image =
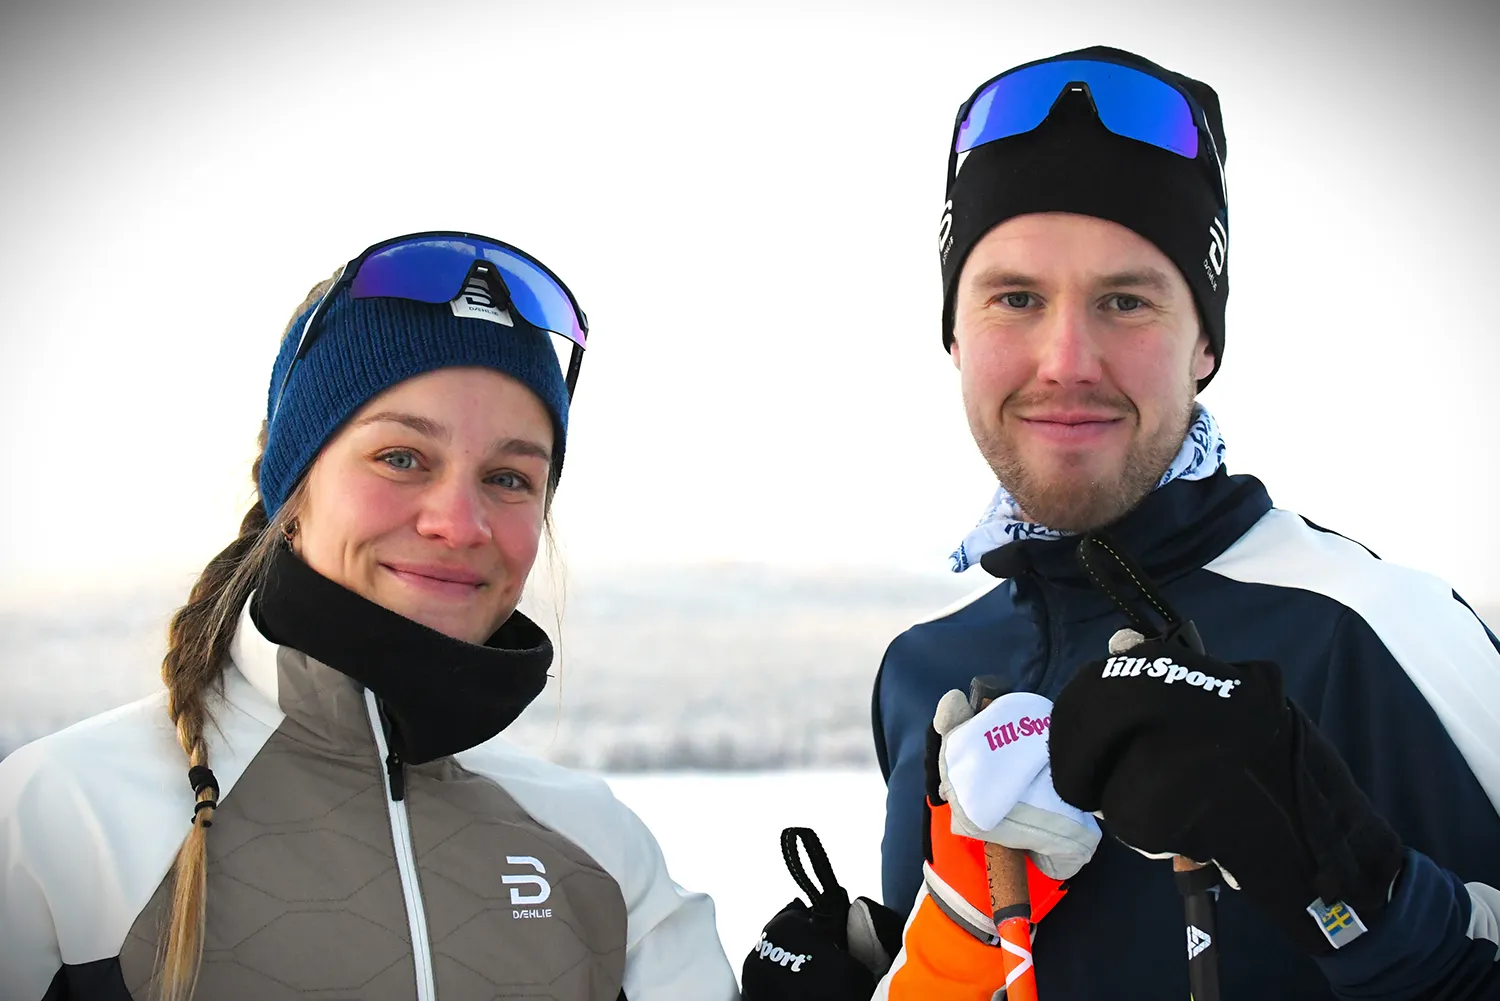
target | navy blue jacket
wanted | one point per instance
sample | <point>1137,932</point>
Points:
<point>1359,642</point>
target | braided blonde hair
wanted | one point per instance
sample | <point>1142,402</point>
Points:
<point>198,640</point>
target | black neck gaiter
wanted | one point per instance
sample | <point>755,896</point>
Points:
<point>440,695</point>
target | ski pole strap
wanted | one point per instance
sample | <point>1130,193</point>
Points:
<point>1129,588</point>
<point>1117,575</point>
<point>831,900</point>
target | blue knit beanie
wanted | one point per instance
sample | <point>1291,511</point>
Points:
<point>365,346</point>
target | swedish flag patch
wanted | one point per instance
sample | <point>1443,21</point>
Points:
<point>1340,923</point>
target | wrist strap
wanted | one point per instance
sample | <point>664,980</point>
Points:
<point>831,901</point>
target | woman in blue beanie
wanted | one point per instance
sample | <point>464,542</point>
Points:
<point>332,686</point>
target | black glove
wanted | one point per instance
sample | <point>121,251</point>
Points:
<point>831,951</point>
<point>1188,755</point>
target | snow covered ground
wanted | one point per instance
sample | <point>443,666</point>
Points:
<point>720,834</point>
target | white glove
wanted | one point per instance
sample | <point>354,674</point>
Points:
<point>994,772</point>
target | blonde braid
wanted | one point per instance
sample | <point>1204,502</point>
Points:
<point>198,641</point>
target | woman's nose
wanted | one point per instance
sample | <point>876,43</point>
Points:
<point>453,511</point>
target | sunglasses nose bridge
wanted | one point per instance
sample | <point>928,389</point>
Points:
<point>1074,100</point>
<point>489,278</point>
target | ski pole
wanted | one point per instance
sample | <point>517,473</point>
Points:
<point>1010,897</point>
<point>1199,886</point>
<point>1197,882</point>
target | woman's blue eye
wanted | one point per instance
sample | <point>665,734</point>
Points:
<point>510,481</point>
<point>400,460</point>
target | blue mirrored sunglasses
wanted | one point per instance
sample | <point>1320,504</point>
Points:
<point>1128,102</point>
<point>434,267</point>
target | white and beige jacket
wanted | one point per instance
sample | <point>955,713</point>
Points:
<point>337,867</point>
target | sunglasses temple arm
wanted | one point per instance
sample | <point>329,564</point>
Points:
<point>574,364</point>
<point>296,357</point>
<point>303,342</point>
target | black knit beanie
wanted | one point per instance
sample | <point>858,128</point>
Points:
<point>1072,163</point>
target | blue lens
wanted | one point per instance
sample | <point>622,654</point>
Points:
<point>1130,103</point>
<point>433,269</point>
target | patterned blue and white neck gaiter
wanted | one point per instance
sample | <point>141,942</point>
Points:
<point>1201,455</point>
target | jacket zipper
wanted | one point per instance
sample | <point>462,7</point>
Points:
<point>406,859</point>
<point>1052,627</point>
<point>1034,677</point>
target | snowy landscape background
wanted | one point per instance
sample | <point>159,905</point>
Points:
<point>734,666</point>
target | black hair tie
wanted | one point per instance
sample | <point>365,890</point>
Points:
<point>202,777</point>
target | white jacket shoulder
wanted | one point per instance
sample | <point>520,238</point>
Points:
<point>82,839</point>
<point>91,818</point>
<point>1438,641</point>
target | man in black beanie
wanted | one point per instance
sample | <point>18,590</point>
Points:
<point>1319,723</point>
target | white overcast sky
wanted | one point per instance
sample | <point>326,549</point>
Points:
<point>745,198</point>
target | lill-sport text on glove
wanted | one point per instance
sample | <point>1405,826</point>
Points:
<point>1169,671</point>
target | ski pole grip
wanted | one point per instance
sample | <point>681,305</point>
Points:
<point>1010,896</point>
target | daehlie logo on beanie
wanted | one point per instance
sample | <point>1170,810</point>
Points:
<point>945,233</point>
<point>478,302</point>
<point>1169,671</point>
<point>772,953</point>
<point>1218,251</point>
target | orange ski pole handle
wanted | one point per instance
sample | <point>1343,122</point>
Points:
<point>1010,894</point>
<point>1010,901</point>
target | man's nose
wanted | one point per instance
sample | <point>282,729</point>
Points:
<point>1068,348</point>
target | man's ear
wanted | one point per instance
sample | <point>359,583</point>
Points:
<point>953,353</point>
<point>1203,358</point>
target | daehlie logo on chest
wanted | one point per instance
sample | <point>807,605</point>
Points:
<point>540,888</point>
<point>1169,671</point>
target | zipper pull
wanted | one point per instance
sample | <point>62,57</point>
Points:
<point>396,769</point>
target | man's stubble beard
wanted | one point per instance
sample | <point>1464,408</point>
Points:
<point>1068,505</point>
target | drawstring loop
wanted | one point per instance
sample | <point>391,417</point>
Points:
<point>831,903</point>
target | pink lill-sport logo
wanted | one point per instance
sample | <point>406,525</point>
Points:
<point>1009,733</point>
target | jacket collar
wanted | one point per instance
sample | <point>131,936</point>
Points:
<point>311,646</point>
<point>1173,531</point>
